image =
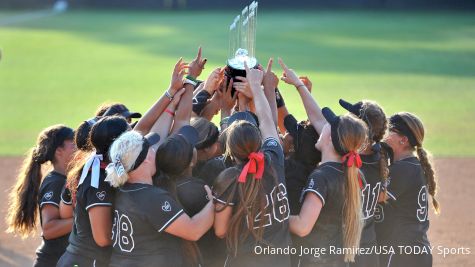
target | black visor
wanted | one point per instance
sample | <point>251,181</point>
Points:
<point>148,141</point>
<point>334,121</point>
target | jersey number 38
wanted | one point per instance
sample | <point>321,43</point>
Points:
<point>122,232</point>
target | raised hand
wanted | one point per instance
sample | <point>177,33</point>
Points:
<point>227,99</point>
<point>306,81</point>
<point>177,76</point>
<point>270,80</point>
<point>289,76</point>
<point>212,82</point>
<point>242,86</point>
<point>254,77</point>
<point>197,65</point>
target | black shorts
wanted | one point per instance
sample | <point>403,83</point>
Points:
<point>410,260</point>
<point>69,259</point>
<point>366,260</point>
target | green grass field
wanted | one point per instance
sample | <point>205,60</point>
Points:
<point>58,69</point>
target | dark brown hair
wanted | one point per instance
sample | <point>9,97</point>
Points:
<point>417,129</point>
<point>375,118</point>
<point>23,204</point>
<point>243,138</point>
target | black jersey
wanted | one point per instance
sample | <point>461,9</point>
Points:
<point>296,174</point>
<point>408,206</point>
<point>142,214</point>
<point>209,170</point>
<point>81,241</point>
<point>276,216</point>
<point>370,171</point>
<point>327,182</point>
<point>50,194</point>
<point>66,197</point>
<point>192,195</point>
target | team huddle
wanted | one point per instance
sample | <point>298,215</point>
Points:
<point>174,189</point>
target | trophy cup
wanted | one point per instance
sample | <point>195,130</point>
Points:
<point>242,42</point>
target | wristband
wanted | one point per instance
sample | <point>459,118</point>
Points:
<point>191,78</point>
<point>188,81</point>
<point>279,99</point>
<point>167,94</point>
<point>170,112</point>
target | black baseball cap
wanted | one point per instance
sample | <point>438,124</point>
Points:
<point>291,125</point>
<point>148,141</point>
<point>334,121</point>
<point>244,116</point>
<point>120,109</point>
<point>353,108</point>
<point>189,133</point>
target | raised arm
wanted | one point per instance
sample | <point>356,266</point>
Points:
<point>151,116</point>
<point>263,111</point>
<point>314,112</point>
<point>163,124</point>
<point>183,113</point>
<point>270,83</point>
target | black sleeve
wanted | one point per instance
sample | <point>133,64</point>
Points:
<point>224,191</point>
<point>316,184</point>
<point>272,148</point>
<point>161,209</point>
<point>397,184</point>
<point>200,101</point>
<point>102,196</point>
<point>51,193</point>
<point>66,196</point>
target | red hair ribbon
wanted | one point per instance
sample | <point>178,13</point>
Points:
<point>255,165</point>
<point>353,158</point>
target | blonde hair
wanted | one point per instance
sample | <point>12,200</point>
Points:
<point>125,150</point>
<point>425,158</point>
<point>352,133</point>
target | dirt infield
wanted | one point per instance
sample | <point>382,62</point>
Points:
<point>454,228</point>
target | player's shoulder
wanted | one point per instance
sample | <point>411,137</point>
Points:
<point>405,166</point>
<point>328,169</point>
<point>53,179</point>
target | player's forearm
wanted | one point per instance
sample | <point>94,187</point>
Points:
<point>150,117</point>
<point>57,228</point>
<point>183,112</point>
<point>210,110</point>
<point>270,96</point>
<point>314,112</point>
<point>163,124</point>
<point>203,220</point>
<point>263,112</point>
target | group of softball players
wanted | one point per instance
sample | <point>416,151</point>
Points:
<point>174,189</point>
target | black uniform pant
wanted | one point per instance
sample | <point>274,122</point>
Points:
<point>69,259</point>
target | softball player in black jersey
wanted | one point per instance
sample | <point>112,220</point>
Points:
<point>32,194</point>
<point>375,172</point>
<point>252,204</point>
<point>148,221</point>
<point>404,218</point>
<point>331,213</point>
<point>90,239</point>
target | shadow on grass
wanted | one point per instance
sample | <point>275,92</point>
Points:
<point>361,42</point>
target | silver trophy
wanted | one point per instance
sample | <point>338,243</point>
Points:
<point>242,42</point>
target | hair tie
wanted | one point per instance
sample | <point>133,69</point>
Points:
<point>255,165</point>
<point>352,158</point>
<point>93,164</point>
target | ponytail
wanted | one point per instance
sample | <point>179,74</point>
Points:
<point>383,170</point>
<point>426,164</point>
<point>352,211</point>
<point>23,198</point>
<point>23,211</point>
